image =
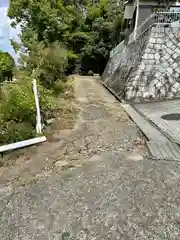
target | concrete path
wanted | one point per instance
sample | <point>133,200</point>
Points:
<point>155,111</point>
<point>112,193</point>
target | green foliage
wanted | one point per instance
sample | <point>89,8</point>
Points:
<point>6,65</point>
<point>100,25</point>
<point>54,36</point>
<point>93,12</point>
<point>95,52</point>
<point>17,103</point>
<point>12,132</point>
<point>6,62</point>
<point>52,63</point>
<point>49,63</point>
<point>85,29</point>
<point>59,87</point>
<point>48,20</point>
<point>117,26</point>
<point>18,111</point>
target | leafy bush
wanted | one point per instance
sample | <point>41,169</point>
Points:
<point>59,87</point>
<point>18,111</point>
<point>49,62</point>
<point>17,103</point>
<point>6,66</point>
<point>12,132</point>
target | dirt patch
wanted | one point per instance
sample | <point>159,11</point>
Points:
<point>78,131</point>
<point>65,119</point>
<point>23,165</point>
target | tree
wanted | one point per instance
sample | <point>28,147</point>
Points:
<point>6,66</point>
<point>45,22</point>
<point>85,28</point>
<point>100,26</point>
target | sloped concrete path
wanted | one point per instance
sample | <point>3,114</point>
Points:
<point>116,193</point>
<point>155,111</point>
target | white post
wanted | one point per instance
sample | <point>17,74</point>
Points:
<point>137,18</point>
<point>38,115</point>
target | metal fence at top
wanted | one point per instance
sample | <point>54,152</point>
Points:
<point>167,17</point>
<point>159,18</point>
<point>150,21</point>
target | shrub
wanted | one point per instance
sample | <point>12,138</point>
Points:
<point>18,103</point>
<point>47,102</point>
<point>49,62</point>
<point>18,111</point>
<point>6,66</point>
<point>12,132</point>
<point>59,87</point>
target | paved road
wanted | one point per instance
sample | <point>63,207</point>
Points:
<point>116,193</point>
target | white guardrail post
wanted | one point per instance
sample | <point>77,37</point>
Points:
<point>136,20</point>
<point>38,114</point>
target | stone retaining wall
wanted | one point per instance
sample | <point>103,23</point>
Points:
<point>148,68</point>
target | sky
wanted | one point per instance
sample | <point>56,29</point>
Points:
<point>6,32</point>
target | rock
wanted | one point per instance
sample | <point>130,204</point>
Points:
<point>135,156</point>
<point>82,100</point>
<point>50,121</point>
<point>61,163</point>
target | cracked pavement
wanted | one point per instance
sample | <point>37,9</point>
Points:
<point>94,182</point>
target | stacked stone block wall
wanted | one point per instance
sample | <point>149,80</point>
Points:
<point>148,68</point>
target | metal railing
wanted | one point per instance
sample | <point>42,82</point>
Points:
<point>117,49</point>
<point>150,21</point>
<point>167,17</point>
<point>159,18</point>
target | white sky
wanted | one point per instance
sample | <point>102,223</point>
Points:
<point>6,32</point>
